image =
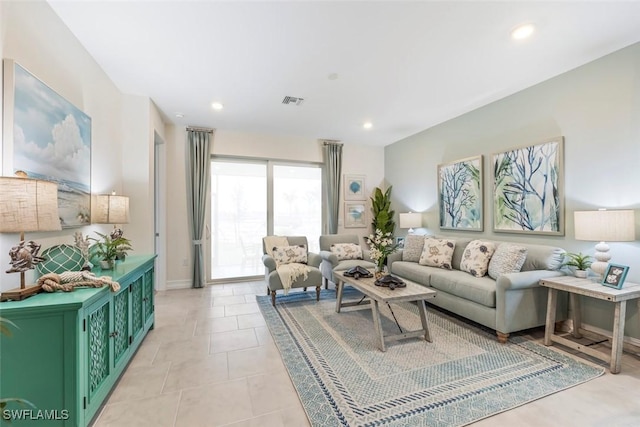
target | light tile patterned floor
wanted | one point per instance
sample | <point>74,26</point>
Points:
<point>210,361</point>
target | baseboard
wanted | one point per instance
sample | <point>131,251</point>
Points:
<point>177,284</point>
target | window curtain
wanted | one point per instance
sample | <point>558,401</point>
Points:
<point>333,167</point>
<point>198,166</point>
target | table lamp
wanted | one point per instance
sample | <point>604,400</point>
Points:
<point>26,204</point>
<point>110,209</point>
<point>410,220</point>
<point>604,225</point>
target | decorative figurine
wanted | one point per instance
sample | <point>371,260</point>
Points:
<point>24,257</point>
<point>82,243</point>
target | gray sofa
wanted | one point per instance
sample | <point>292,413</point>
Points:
<point>513,302</point>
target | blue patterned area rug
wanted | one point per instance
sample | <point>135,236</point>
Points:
<point>463,376</point>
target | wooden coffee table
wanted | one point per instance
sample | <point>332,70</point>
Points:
<point>379,294</point>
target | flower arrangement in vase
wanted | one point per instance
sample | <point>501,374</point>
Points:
<point>381,245</point>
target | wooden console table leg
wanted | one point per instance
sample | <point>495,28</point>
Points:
<point>618,336</point>
<point>375,311</point>
<point>576,315</point>
<point>550,324</point>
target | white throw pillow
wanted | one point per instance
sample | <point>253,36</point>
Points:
<point>346,251</point>
<point>437,253</point>
<point>476,257</point>
<point>413,245</point>
<point>289,254</point>
<point>508,258</point>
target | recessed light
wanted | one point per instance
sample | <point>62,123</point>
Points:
<point>217,106</point>
<point>333,76</point>
<point>367,125</point>
<point>179,115</point>
<point>522,31</point>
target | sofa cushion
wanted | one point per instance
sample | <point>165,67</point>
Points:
<point>458,252</point>
<point>412,271</point>
<point>346,251</point>
<point>508,258</point>
<point>542,257</point>
<point>437,253</point>
<point>289,254</point>
<point>481,290</point>
<point>476,257</point>
<point>412,250</point>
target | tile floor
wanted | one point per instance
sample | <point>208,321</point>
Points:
<point>211,361</point>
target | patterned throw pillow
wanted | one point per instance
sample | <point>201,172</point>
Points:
<point>476,257</point>
<point>346,251</point>
<point>412,250</point>
<point>508,258</point>
<point>437,253</point>
<point>289,254</point>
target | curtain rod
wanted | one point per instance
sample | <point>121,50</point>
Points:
<point>195,129</point>
<point>331,142</point>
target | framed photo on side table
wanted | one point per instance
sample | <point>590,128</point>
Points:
<point>614,275</point>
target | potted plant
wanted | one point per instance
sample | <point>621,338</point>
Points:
<point>108,247</point>
<point>382,213</point>
<point>580,262</point>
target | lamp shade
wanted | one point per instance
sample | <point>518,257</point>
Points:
<point>605,225</point>
<point>28,205</point>
<point>110,209</point>
<point>410,220</point>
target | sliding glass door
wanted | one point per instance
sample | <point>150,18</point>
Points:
<point>253,199</point>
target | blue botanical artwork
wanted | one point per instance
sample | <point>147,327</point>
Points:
<point>355,215</point>
<point>527,189</point>
<point>460,194</point>
<point>354,187</point>
<point>52,141</point>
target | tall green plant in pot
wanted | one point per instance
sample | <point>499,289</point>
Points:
<point>382,213</point>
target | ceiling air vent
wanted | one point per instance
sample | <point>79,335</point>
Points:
<point>288,100</point>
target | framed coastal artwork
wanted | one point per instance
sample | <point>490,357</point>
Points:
<point>354,187</point>
<point>48,138</point>
<point>355,215</point>
<point>460,194</point>
<point>528,189</point>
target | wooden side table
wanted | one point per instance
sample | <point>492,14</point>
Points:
<point>584,287</point>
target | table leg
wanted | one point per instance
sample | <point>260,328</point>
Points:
<point>339,288</point>
<point>550,324</point>
<point>618,336</point>
<point>576,315</point>
<point>422,309</point>
<point>377,324</point>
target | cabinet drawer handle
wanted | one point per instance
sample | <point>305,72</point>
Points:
<point>113,334</point>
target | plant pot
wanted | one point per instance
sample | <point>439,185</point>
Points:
<point>106,264</point>
<point>581,274</point>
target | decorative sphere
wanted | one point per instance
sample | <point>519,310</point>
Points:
<point>61,258</point>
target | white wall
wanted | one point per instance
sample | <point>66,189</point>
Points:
<point>357,159</point>
<point>595,107</point>
<point>33,35</point>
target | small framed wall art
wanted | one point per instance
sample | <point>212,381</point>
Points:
<point>354,187</point>
<point>614,275</point>
<point>355,215</point>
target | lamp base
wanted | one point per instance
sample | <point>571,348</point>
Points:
<point>18,294</point>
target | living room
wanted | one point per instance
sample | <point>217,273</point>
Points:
<point>595,107</point>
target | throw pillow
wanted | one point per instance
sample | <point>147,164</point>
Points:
<point>476,257</point>
<point>289,254</point>
<point>437,253</point>
<point>346,251</point>
<point>508,258</point>
<point>412,250</point>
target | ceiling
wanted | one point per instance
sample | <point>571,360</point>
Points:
<point>403,66</point>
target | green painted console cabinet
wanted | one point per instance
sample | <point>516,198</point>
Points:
<point>69,349</point>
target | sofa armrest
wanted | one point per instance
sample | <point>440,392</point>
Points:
<point>330,257</point>
<point>524,279</point>
<point>396,256</point>
<point>366,255</point>
<point>269,262</point>
<point>314,259</point>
